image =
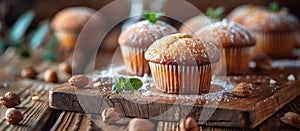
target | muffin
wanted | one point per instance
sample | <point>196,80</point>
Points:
<point>68,23</point>
<point>181,64</point>
<point>135,40</point>
<point>235,43</point>
<point>275,32</point>
<point>243,12</point>
<point>195,23</point>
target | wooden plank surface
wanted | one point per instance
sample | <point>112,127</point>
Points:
<point>230,112</point>
<point>90,122</point>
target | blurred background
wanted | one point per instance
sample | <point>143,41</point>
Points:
<point>43,10</point>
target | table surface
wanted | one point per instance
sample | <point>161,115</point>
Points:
<point>38,115</point>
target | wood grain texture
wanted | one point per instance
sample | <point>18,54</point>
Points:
<point>231,112</point>
<point>34,111</point>
<point>91,122</point>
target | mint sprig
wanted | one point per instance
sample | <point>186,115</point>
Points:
<point>126,84</point>
<point>274,7</point>
<point>151,16</point>
<point>215,13</point>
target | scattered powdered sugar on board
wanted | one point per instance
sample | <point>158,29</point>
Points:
<point>115,72</point>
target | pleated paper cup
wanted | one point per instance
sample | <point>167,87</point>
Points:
<point>177,79</point>
<point>275,44</point>
<point>236,60</point>
<point>134,59</point>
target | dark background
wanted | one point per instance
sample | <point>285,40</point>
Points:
<point>47,8</point>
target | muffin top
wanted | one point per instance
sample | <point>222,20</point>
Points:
<point>195,23</point>
<point>226,34</point>
<point>243,12</point>
<point>144,33</point>
<point>72,19</point>
<point>182,49</point>
<point>269,21</point>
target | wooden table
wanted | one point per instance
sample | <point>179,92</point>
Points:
<point>38,115</point>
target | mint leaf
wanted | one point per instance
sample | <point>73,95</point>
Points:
<point>215,13</point>
<point>151,16</point>
<point>135,83</point>
<point>126,84</point>
<point>274,7</point>
<point>39,35</point>
<point>19,28</point>
<point>50,51</point>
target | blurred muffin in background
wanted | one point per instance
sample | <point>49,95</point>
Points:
<point>243,12</point>
<point>235,43</point>
<point>181,64</point>
<point>68,23</point>
<point>195,23</point>
<point>275,32</point>
<point>135,40</point>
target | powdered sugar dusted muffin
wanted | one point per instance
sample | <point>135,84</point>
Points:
<point>194,24</point>
<point>182,64</point>
<point>67,24</point>
<point>235,43</point>
<point>243,12</point>
<point>135,40</point>
<point>275,32</point>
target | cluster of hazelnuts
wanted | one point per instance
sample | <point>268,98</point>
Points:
<point>12,115</point>
<point>50,75</point>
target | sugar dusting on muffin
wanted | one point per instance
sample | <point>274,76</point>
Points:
<point>229,34</point>
<point>144,33</point>
<point>182,49</point>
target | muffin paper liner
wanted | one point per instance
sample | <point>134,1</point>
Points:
<point>176,79</point>
<point>275,45</point>
<point>134,59</point>
<point>236,60</point>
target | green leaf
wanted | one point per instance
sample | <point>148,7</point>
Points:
<point>219,11</point>
<point>124,84</point>
<point>50,51</point>
<point>116,88</point>
<point>274,6</point>
<point>20,26</point>
<point>151,16</point>
<point>4,44</point>
<point>39,35</point>
<point>24,53</point>
<point>135,83</point>
<point>215,13</point>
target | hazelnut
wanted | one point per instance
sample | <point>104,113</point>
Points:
<point>292,119</point>
<point>138,124</point>
<point>79,80</point>
<point>29,72</point>
<point>188,124</point>
<point>65,67</point>
<point>10,100</point>
<point>242,89</point>
<point>13,116</point>
<point>51,76</point>
<point>110,115</point>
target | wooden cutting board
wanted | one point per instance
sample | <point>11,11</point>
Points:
<point>228,111</point>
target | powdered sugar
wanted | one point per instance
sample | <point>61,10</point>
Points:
<point>226,33</point>
<point>144,33</point>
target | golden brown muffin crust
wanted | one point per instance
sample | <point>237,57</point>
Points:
<point>226,34</point>
<point>195,23</point>
<point>72,19</point>
<point>144,33</point>
<point>182,49</point>
<point>268,21</point>
<point>244,12</point>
